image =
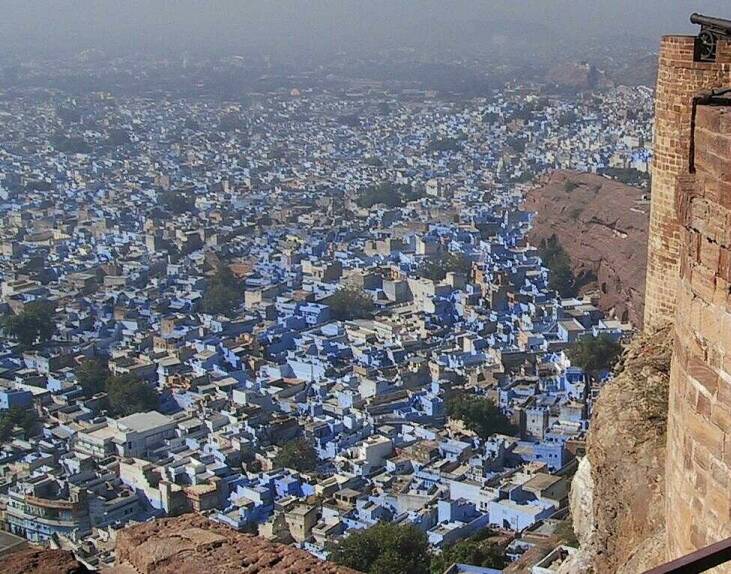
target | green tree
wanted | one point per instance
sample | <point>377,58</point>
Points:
<point>374,161</point>
<point>471,551</point>
<point>72,144</point>
<point>220,299</point>
<point>595,354</point>
<point>297,454</point>
<point>177,202</point>
<point>565,531</point>
<point>118,137</point>
<point>127,395</point>
<point>388,194</point>
<point>33,325</point>
<point>480,415</point>
<point>223,294</point>
<point>516,143</point>
<point>92,375</point>
<point>350,303</point>
<point>561,277</point>
<point>436,268</point>
<point>445,144</point>
<point>568,118</point>
<point>230,121</point>
<point>24,418</point>
<point>385,549</point>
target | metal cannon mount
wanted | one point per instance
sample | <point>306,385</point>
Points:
<point>712,30</point>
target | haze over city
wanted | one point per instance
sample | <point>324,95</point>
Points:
<point>319,27</point>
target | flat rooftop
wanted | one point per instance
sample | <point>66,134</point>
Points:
<point>143,422</point>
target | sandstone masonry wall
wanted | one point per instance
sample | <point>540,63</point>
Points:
<point>698,463</point>
<point>680,78</point>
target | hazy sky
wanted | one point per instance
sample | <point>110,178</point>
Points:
<point>55,26</point>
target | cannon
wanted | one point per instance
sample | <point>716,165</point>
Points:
<point>712,30</point>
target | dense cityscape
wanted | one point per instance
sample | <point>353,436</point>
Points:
<point>301,314</point>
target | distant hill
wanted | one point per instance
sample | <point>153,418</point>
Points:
<point>602,225</point>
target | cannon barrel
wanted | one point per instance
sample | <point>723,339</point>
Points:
<point>719,24</point>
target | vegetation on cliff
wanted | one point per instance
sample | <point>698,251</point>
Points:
<point>554,257</point>
<point>595,354</point>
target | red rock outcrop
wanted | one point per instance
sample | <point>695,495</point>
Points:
<point>192,544</point>
<point>602,224</point>
<point>36,560</point>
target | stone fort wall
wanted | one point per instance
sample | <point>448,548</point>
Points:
<point>689,283</point>
<point>698,466</point>
<point>680,78</point>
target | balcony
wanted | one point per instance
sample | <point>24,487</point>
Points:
<point>698,561</point>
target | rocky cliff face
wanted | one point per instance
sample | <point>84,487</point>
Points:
<point>602,225</point>
<point>35,560</point>
<point>192,544</point>
<point>617,493</point>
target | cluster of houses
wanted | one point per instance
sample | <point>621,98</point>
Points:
<point>348,325</point>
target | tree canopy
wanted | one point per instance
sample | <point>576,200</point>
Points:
<point>436,268</point>
<point>297,454</point>
<point>33,325</point>
<point>388,194</point>
<point>480,415</point>
<point>445,144</point>
<point>475,551</point>
<point>350,303</point>
<point>223,294</point>
<point>561,277</point>
<point>24,418</point>
<point>127,395</point>
<point>70,144</point>
<point>92,375</point>
<point>385,548</point>
<point>595,354</point>
<point>118,137</point>
<point>176,202</point>
<point>230,121</point>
